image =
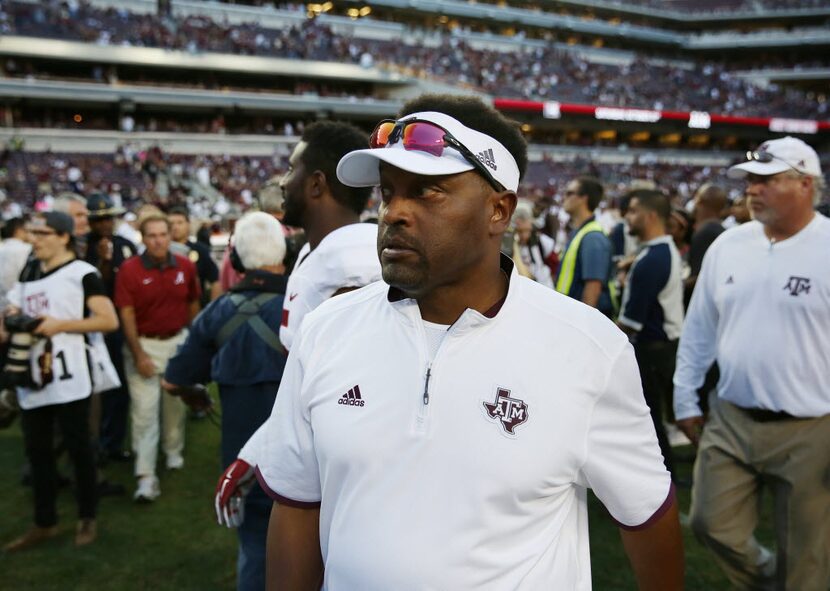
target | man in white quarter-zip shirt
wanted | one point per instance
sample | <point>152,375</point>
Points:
<point>440,429</point>
<point>761,307</point>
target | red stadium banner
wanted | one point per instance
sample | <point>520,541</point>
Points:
<point>695,119</point>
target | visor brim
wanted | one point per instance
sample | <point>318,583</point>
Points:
<point>740,171</point>
<point>362,167</point>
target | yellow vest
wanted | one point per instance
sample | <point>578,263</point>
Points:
<point>568,266</point>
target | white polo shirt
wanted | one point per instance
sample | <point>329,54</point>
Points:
<point>478,478</point>
<point>346,257</point>
<point>763,310</point>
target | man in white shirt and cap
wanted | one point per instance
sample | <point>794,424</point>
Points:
<point>761,308</point>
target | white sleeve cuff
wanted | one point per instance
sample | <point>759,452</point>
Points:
<point>685,404</point>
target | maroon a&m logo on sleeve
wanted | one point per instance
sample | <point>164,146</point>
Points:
<point>511,412</point>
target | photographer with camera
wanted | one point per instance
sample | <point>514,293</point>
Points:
<point>53,306</point>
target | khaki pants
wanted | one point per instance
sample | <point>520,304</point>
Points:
<point>146,399</point>
<point>737,456</point>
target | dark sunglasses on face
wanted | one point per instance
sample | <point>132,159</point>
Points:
<point>425,136</point>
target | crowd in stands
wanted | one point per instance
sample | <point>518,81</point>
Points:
<point>212,184</point>
<point>226,185</point>
<point>724,6</point>
<point>549,73</point>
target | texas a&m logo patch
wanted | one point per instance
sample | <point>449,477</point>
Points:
<point>510,412</point>
<point>798,285</point>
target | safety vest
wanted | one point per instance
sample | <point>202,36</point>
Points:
<point>568,266</point>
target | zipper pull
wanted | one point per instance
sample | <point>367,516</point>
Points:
<point>426,385</point>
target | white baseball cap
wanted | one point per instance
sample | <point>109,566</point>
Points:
<point>775,156</point>
<point>361,167</point>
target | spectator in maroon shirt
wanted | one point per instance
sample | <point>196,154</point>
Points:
<point>157,294</point>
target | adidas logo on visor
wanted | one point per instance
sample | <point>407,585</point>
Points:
<point>488,159</point>
<point>352,398</point>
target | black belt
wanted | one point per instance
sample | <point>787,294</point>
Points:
<point>161,337</point>
<point>762,415</point>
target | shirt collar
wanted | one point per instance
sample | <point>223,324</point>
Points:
<point>258,280</point>
<point>470,317</point>
<point>664,239</point>
<point>585,223</point>
<point>149,263</point>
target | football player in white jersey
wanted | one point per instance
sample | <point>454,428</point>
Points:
<point>340,253</point>
<point>340,256</point>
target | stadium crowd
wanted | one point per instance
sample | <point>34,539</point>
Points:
<point>727,6</point>
<point>554,74</point>
<point>226,185</point>
<point>131,176</point>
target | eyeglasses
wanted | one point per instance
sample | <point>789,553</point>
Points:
<point>426,136</point>
<point>42,233</point>
<point>765,158</point>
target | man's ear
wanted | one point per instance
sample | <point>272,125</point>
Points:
<point>316,184</point>
<point>502,207</point>
<point>807,185</point>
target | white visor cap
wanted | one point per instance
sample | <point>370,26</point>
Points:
<point>361,168</point>
<point>788,153</point>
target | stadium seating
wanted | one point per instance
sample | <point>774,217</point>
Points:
<point>548,73</point>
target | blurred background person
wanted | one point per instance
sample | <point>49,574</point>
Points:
<point>74,205</point>
<point>14,252</point>
<point>532,248</point>
<point>681,227</point>
<point>107,251</point>
<point>585,271</point>
<point>181,242</point>
<point>710,203</point>
<point>652,307</point>
<point>68,298</point>
<point>234,343</point>
<point>157,295</point>
<point>739,212</point>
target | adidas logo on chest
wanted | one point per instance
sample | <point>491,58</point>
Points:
<point>352,398</point>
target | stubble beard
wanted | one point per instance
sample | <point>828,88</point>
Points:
<point>410,279</point>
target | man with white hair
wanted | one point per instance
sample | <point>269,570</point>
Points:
<point>74,206</point>
<point>761,307</point>
<point>531,249</point>
<point>234,343</point>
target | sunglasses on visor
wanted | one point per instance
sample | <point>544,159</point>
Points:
<point>426,136</point>
<point>765,157</point>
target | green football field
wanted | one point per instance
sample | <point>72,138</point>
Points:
<point>175,542</point>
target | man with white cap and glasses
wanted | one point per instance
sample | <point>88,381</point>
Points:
<point>456,400</point>
<point>761,308</point>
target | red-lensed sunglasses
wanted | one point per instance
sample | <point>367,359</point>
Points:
<point>426,136</point>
